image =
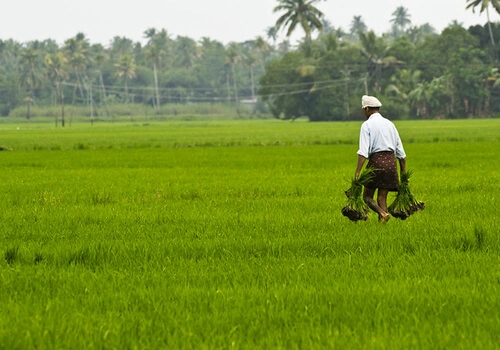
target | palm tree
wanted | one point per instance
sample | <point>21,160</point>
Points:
<point>485,4</point>
<point>455,23</point>
<point>56,64</point>
<point>76,51</point>
<point>284,46</point>
<point>120,46</point>
<point>375,49</point>
<point>327,27</point>
<point>126,69</point>
<point>165,44</point>
<point>340,33</point>
<point>31,76</point>
<point>100,59</point>
<point>400,20</point>
<point>357,26</point>
<point>401,84</point>
<point>206,43</point>
<point>154,54</point>
<point>272,33</point>
<point>101,56</point>
<point>328,42</point>
<point>159,50</point>
<point>186,52</point>
<point>433,97</point>
<point>300,12</point>
<point>232,57</point>
<point>150,34</point>
<point>250,60</point>
<point>418,34</point>
<point>420,98</point>
<point>262,47</point>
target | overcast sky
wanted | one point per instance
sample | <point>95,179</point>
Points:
<point>222,20</point>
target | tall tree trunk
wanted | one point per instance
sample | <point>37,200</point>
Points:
<point>347,98</point>
<point>253,83</point>
<point>126,91</point>
<point>103,94</point>
<point>228,89</point>
<point>74,94</point>
<point>80,82</point>
<point>103,88</point>
<point>489,26</point>
<point>29,99</point>
<point>55,102</point>
<point>156,89</point>
<point>62,107</point>
<point>91,102</point>
<point>28,112</point>
<point>234,84</point>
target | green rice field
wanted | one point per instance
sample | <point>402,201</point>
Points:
<point>229,235</point>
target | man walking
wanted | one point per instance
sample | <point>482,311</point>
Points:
<point>379,142</point>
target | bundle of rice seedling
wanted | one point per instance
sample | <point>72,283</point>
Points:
<point>356,208</point>
<point>405,203</point>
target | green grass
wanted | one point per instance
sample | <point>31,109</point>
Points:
<point>229,234</point>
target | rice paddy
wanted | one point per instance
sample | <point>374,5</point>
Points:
<point>229,234</point>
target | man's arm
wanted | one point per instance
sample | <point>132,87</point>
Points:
<point>361,161</point>
<point>402,165</point>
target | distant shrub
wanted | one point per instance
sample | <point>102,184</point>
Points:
<point>116,111</point>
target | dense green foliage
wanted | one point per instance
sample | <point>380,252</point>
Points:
<point>162,72</point>
<point>229,234</point>
<point>450,75</point>
<point>416,72</point>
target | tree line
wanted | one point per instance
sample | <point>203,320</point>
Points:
<point>416,72</point>
<point>162,71</point>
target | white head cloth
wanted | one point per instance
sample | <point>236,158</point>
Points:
<point>370,101</point>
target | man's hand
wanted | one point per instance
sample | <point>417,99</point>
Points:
<point>402,165</point>
<point>361,161</point>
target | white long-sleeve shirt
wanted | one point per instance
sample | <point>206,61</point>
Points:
<point>379,134</point>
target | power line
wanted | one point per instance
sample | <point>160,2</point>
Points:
<point>288,89</point>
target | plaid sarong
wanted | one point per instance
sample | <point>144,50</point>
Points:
<point>385,171</point>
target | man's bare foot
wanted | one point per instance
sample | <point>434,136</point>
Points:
<point>384,218</point>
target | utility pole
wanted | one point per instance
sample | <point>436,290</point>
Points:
<point>91,105</point>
